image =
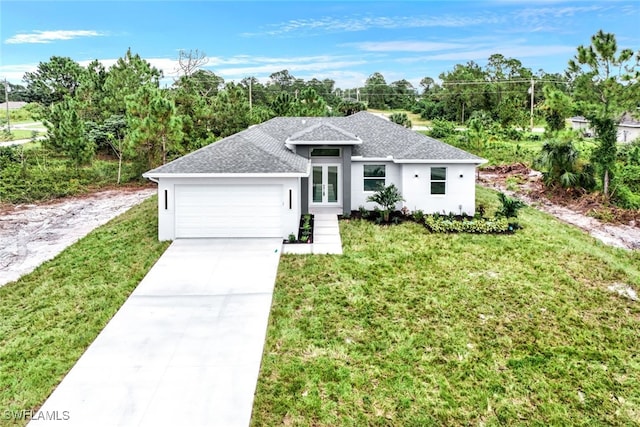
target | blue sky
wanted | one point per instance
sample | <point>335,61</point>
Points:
<point>345,41</point>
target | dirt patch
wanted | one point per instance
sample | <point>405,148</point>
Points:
<point>34,233</point>
<point>579,209</point>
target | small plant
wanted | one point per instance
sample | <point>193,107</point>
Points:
<point>346,215</point>
<point>510,206</point>
<point>481,210</point>
<point>304,238</point>
<point>418,216</point>
<point>401,119</point>
<point>364,213</point>
<point>387,197</point>
<point>513,183</point>
<point>396,220</point>
<point>292,238</point>
<point>405,211</point>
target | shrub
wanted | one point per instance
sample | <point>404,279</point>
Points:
<point>442,128</point>
<point>401,119</point>
<point>625,198</point>
<point>418,216</point>
<point>509,206</point>
<point>387,197</point>
<point>440,224</point>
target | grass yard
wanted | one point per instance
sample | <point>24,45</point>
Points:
<point>22,134</point>
<point>50,316</point>
<point>416,329</point>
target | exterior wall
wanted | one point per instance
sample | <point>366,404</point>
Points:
<point>460,196</point>
<point>304,183</point>
<point>627,134</point>
<point>167,208</point>
<point>346,179</point>
<point>359,197</point>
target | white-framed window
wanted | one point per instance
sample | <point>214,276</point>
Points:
<point>438,180</point>
<point>374,177</point>
<point>325,152</point>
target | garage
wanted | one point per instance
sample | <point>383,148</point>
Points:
<point>228,210</point>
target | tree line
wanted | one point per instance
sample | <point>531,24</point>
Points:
<point>123,110</point>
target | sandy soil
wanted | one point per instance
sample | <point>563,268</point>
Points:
<point>32,234</point>
<point>626,236</point>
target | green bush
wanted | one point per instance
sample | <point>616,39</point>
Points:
<point>509,206</point>
<point>625,198</point>
<point>442,128</point>
<point>444,224</point>
<point>36,174</point>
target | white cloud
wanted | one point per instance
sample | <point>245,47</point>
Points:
<point>362,23</point>
<point>507,51</point>
<point>405,46</point>
<point>14,73</point>
<point>292,67</point>
<point>50,36</point>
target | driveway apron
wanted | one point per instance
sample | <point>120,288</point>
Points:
<point>184,349</point>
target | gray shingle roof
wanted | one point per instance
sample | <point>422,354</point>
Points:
<point>323,131</point>
<point>261,148</point>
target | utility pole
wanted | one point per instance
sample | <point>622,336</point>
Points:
<point>532,89</point>
<point>250,100</point>
<point>6,102</point>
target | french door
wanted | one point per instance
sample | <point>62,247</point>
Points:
<point>325,184</point>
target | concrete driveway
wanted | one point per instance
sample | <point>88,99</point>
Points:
<point>184,349</point>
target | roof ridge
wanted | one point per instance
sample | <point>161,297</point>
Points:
<point>269,152</point>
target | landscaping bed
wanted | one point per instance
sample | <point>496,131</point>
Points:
<point>305,231</point>
<point>502,222</point>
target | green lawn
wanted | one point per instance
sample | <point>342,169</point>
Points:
<point>50,316</point>
<point>22,134</point>
<point>407,328</point>
<point>411,328</point>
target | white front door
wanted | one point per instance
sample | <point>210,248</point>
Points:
<point>325,185</point>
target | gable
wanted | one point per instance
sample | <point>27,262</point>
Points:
<point>323,132</point>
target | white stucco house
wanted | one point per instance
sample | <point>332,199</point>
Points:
<point>258,182</point>
<point>628,127</point>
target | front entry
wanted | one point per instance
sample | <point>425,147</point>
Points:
<point>325,185</point>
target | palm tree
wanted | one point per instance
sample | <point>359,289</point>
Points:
<point>559,160</point>
<point>386,197</point>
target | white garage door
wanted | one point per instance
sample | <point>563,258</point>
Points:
<point>228,210</point>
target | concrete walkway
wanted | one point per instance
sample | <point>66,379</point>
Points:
<point>185,348</point>
<point>326,237</point>
<point>326,234</point>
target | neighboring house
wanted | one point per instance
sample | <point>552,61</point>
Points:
<point>258,182</point>
<point>628,128</point>
<point>13,105</point>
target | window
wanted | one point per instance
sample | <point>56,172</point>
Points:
<point>325,152</point>
<point>374,177</point>
<point>438,180</point>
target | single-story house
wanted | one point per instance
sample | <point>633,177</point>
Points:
<point>258,182</point>
<point>628,127</point>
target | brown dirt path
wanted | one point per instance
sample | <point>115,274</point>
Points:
<point>529,189</point>
<point>34,233</point>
